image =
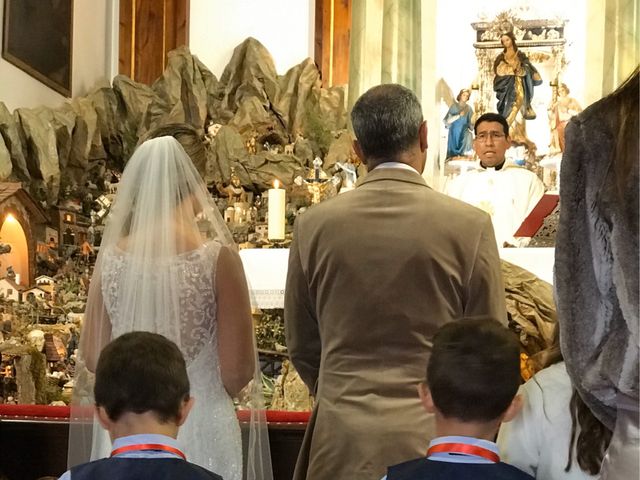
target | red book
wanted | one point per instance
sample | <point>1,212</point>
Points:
<point>534,220</point>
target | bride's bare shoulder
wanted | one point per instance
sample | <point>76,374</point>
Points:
<point>123,244</point>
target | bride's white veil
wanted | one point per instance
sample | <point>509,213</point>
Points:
<point>162,209</point>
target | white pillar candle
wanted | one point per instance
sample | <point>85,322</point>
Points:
<point>276,212</point>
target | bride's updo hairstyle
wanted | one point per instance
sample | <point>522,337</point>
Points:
<point>189,138</point>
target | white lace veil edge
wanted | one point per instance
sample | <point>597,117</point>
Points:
<point>95,335</point>
<point>257,451</point>
<point>162,209</point>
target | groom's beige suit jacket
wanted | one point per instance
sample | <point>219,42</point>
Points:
<point>372,274</point>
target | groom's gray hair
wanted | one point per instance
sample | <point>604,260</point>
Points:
<point>386,120</point>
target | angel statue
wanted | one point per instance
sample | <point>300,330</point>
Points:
<point>562,108</point>
<point>458,121</point>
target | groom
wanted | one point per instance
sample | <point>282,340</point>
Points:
<point>372,274</point>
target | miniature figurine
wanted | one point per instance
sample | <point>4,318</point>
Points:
<point>74,340</point>
<point>234,190</point>
<point>11,274</point>
<point>350,176</point>
<point>212,130</point>
<point>251,145</point>
<point>86,250</point>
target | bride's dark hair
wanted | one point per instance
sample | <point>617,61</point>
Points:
<point>189,138</point>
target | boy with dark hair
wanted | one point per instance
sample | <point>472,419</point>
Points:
<point>142,398</point>
<point>472,380</point>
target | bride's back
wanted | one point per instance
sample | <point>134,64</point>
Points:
<point>173,296</point>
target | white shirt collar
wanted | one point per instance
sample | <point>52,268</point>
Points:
<point>457,458</point>
<point>145,438</point>
<point>401,165</point>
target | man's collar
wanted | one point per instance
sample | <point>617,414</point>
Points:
<point>401,174</point>
<point>497,167</point>
<point>404,166</point>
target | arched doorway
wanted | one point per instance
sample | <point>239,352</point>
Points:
<point>13,234</point>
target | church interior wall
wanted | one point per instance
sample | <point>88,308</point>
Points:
<point>216,28</point>
<point>91,59</point>
<point>285,28</point>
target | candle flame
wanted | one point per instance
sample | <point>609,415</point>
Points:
<point>276,183</point>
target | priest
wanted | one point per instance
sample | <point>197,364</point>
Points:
<point>508,193</point>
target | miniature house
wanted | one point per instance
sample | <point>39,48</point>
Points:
<point>71,225</point>
<point>38,293</point>
<point>10,290</point>
<point>44,280</point>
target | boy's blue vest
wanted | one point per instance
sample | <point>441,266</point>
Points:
<point>423,469</point>
<point>141,469</point>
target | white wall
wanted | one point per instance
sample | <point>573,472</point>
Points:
<point>91,44</point>
<point>90,63</point>
<point>284,27</point>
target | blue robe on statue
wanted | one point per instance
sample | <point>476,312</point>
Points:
<point>460,140</point>
<point>508,93</point>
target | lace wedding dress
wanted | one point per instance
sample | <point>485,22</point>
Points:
<point>211,435</point>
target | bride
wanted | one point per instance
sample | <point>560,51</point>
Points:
<point>167,264</point>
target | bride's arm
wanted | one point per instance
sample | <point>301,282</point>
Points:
<point>96,328</point>
<point>235,328</point>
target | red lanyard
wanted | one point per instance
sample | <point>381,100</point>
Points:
<point>465,449</point>
<point>148,446</point>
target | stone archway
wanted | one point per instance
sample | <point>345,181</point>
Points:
<point>13,233</point>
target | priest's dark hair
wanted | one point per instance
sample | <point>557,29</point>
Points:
<point>386,120</point>
<point>474,370</point>
<point>140,372</point>
<point>492,117</point>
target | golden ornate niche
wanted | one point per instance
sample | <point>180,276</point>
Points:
<point>541,40</point>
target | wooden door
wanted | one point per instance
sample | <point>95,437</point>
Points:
<point>149,29</point>
<point>332,36</point>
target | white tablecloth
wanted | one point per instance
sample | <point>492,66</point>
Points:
<point>266,270</point>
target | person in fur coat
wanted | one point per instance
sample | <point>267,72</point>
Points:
<point>596,269</point>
